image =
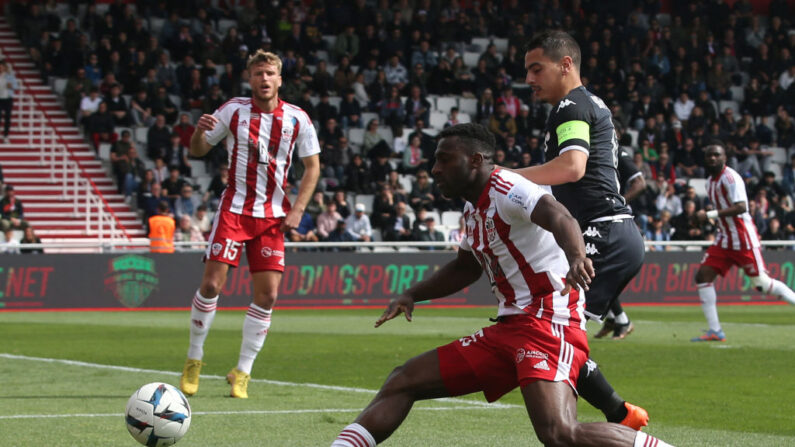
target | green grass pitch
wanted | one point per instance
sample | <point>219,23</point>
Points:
<point>65,377</point>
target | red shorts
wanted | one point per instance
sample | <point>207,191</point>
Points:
<point>262,238</point>
<point>721,260</point>
<point>515,352</point>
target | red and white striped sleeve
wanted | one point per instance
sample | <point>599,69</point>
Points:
<point>306,142</point>
<point>221,129</point>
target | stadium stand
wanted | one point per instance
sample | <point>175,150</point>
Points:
<point>656,51</point>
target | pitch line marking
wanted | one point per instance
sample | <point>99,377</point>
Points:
<point>237,413</point>
<point>265,381</point>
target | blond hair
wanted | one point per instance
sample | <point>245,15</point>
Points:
<point>266,57</point>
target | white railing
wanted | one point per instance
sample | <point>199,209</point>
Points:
<point>100,221</point>
<point>142,245</point>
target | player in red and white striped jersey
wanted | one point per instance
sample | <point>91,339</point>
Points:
<point>260,134</point>
<point>533,253</point>
<point>737,242</point>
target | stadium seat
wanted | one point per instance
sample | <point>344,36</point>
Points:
<point>197,168</point>
<point>335,100</point>
<point>471,59</point>
<point>438,119</point>
<point>464,118</point>
<point>104,151</point>
<point>501,43</point>
<point>367,200</point>
<point>155,24</point>
<point>468,105</point>
<point>224,25</point>
<point>779,155</point>
<point>407,181</point>
<point>367,117</point>
<point>450,218</point>
<point>356,136</point>
<point>664,19</point>
<point>386,134</point>
<point>330,40</point>
<point>322,55</point>
<point>203,182</point>
<point>445,103</point>
<point>481,43</point>
<point>58,86</point>
<point>734,105</point>
<point>141,136</point>
<point>738,93</point>
<point>634,135</point>
<point>177,100</point>
<point>775,168</point>
<point>436,217</point>
<point>700,185</point>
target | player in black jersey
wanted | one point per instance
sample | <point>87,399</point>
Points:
<point>632,184</point>
<point>582,149</point>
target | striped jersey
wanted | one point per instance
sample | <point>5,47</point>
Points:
<point>524,264</point>
<point>260,147</point>
<point>736,232</point>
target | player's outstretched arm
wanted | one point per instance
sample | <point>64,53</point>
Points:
<point>550,215</point>
<point>636,186</point>
<point>734,210</point>
<point>568,167</point>
<point>305,191</point>
<point>452,277</point>
<point>198,141</point>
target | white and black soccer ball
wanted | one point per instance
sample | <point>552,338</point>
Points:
<point>158,414</point>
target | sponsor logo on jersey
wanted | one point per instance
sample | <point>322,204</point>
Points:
<point>591,232</point>
<point>542,365</point>
<point>590,249</point>
<point>517,199</point>
<point>564,103</point>
<point>537,355</point>
<point>216,248</point>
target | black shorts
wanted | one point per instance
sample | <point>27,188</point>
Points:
<point>617,250</point>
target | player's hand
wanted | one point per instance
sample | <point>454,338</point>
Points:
<point>291,221</point>
<point>396,306</point>
<point>701,215</point>
<point>580,274</point>
<point>206,122</point>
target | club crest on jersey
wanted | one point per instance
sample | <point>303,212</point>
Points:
<point>287,131</point>
<point>564,103</point>
<point>491,230</point>
<point>520,355</point>
<point>216,248</point>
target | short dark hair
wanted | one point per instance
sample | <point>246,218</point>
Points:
<point>555,45</point>
<point>477,137</point>
<point>163,207</point>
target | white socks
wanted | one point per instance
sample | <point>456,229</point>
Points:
<point>202,312</point>
<point>622,318</point>
<point>355,435</point>
<point>709,300</point>
<point>255,329</point>
<point>644,440</point>
<point>781,290</point>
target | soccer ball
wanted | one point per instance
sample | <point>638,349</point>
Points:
<point>158,414</point>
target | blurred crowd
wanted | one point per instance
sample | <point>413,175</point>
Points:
<point>375,76</point>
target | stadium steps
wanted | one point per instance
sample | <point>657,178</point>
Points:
<point>46,207</point>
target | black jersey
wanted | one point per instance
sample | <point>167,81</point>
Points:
<point>581,121</point>
<point>627,170</point>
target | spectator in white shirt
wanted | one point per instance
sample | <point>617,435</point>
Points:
<point>396,74</point>
<point>358,225</point>
<point>786,78</point>
<point>683,107</point>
